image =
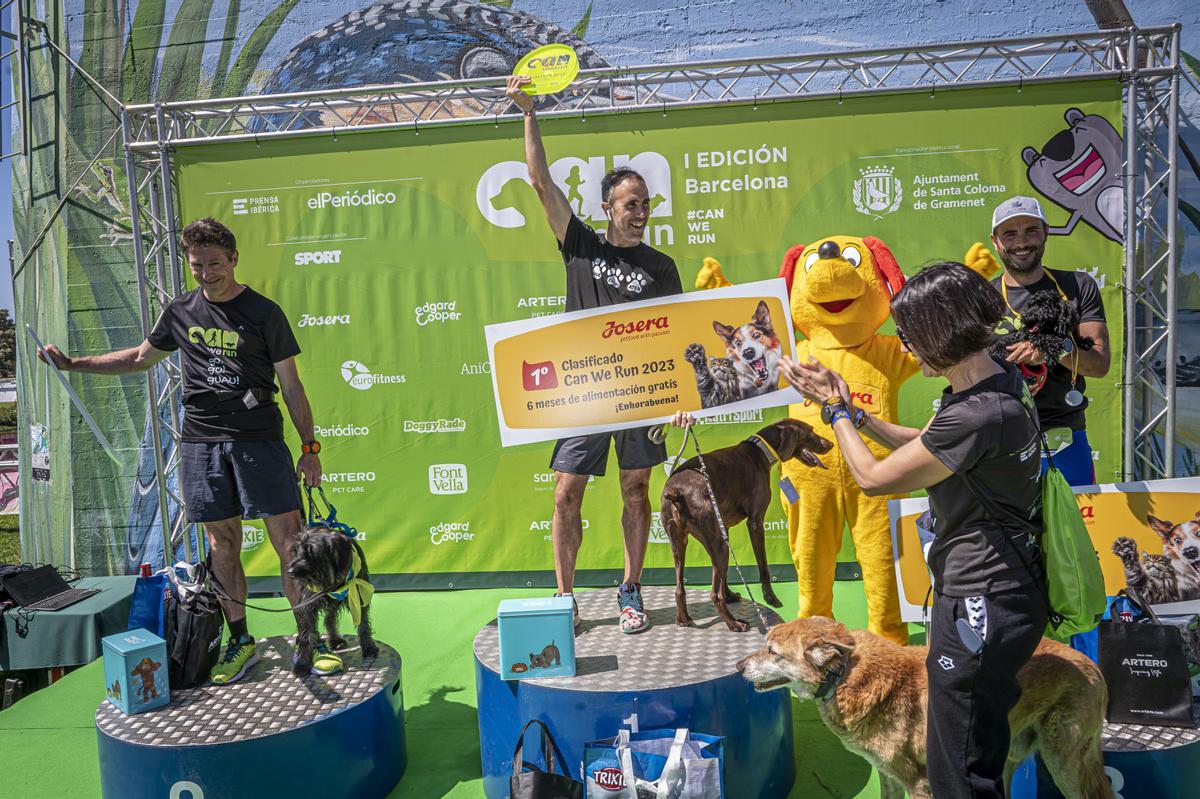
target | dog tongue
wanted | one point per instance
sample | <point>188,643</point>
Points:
<point>809,458</point>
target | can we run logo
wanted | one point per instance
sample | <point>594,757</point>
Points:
<point>359,376</point>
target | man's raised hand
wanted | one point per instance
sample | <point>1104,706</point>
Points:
<point>517,94</point>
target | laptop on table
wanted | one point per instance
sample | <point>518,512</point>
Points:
<point>43,588</point>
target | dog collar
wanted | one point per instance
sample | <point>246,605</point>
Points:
<point>767,449</point>
<point>833,679</point>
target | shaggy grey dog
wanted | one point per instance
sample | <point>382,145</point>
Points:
<point>321,561</point>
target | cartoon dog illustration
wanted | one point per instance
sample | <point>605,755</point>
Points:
<point>145,672</point>
<point>115,691</point>
<point>1079,168</point>
<point>751,367</point>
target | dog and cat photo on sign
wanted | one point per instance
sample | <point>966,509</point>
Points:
<point>1169,575</point>
<point>750,367</point>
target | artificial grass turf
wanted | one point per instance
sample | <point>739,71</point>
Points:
<point>48,739</point>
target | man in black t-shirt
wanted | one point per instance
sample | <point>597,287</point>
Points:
<point>602,269</point>
<point>234,343</point>
<point>1019,235</point>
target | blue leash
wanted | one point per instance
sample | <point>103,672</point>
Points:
<point>329,520</point>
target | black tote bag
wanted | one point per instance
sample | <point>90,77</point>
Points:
<point>530,782</point>
<point>1146,670</point>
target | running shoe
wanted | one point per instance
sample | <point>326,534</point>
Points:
<point>240,655</point>
<point>633,618</point>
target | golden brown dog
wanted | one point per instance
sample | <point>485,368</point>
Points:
<point>873,694</point>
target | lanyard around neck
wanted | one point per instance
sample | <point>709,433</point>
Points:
<point>1046,272</point>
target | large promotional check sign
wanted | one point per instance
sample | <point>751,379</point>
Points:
<point>638,363</point>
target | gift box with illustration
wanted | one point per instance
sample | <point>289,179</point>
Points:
<point>135,670</point>
<point>537,638</point>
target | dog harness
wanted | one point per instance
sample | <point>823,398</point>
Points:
<point>767,449</point>
<point>355,592</point>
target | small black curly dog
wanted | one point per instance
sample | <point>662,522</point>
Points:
<point>321,561</point>
<point>1046,322</point>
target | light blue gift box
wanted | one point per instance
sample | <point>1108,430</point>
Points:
<point>135,670</point>
<point>537,638</point>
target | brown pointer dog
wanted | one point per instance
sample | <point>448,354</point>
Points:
<point>873,694</point>
<point>741,480</point>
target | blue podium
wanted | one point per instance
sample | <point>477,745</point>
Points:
<point>666,677</point>
<point>269,734</point>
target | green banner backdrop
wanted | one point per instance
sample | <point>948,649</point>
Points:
<point>390,251</point>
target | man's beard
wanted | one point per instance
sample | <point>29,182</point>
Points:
<point>1013,265</point>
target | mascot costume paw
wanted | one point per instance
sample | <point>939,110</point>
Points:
<point>841,289</point>
<point>710,275</point>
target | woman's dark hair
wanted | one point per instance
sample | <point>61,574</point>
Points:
<point>208,232</point>
<point>616,177</point>
<point>947,312</point>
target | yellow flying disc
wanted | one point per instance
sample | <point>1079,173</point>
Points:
<point>550,69</point>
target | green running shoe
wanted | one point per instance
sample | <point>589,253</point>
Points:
<point>240,655</point>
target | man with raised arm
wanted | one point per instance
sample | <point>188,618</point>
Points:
<point>602,268</point>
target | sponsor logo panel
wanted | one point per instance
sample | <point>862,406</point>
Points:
<point>448,478</point>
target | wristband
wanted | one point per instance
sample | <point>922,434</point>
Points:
<point>860,417</point>
<point>838,412</point>
<point>310,447</point>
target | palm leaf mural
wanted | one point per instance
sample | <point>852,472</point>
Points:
<point>180,74</point>
<point>1191,63</point>
<point>581,26</point>
<point>231,23</point>
<point>247,61</point>
<point>99,58</point>
<point>141,51</point>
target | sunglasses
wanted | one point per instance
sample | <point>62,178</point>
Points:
<point>903,338</point>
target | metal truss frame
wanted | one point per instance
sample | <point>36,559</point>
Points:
<point>1145,59</point>
<point>1151,116</point>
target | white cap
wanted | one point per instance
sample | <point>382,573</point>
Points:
<point>1016,206</point>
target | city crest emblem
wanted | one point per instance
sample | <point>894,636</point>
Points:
<point>877,191</point>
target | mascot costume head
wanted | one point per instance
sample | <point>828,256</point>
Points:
<point>841,288</point>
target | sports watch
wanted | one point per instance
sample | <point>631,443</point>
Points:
<point>310,447</point>
<point>833,409</point>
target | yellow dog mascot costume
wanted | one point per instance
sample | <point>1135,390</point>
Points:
<point>841,289</point>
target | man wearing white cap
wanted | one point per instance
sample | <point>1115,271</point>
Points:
<point>1019,236</point>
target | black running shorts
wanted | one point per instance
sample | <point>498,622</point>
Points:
<point>589,454</point>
